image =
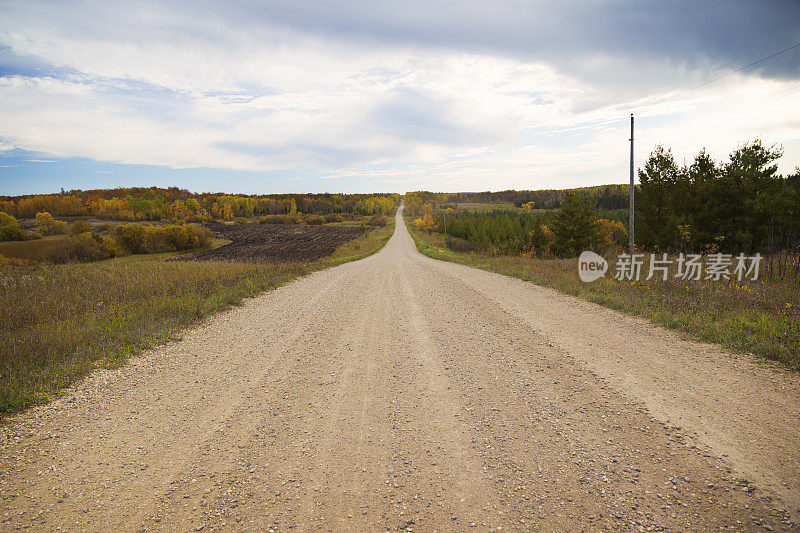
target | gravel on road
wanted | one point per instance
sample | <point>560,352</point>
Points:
<point>401,393</point>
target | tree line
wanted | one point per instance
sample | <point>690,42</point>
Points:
<point>742,205</point>
<point>603,197</point>
<point>154,203</point>
<point>576,226</point>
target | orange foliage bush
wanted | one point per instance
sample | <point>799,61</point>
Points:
<point>48,226</point>
<point>145,239</point>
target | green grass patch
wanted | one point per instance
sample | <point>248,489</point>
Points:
<point>59,322</point>
<point>760,318</point>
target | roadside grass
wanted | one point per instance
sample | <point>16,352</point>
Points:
<point>760,318</point>
<point>59,322</point>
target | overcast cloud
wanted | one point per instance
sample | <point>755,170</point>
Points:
<point>347,96</point>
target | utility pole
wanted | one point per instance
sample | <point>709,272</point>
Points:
<point>631,239</point>
<point>445,226</point>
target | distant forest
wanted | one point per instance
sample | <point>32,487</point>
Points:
<point>154,203</point>
<point>608,197</point>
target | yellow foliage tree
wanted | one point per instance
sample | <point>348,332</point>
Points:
<point>610,233</point>
<point>426,223</point>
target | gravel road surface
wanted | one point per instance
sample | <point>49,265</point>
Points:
<point>406,394</point>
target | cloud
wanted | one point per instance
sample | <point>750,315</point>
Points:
<point>485,95</point>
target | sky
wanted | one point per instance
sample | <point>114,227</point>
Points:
<point>354,96</point>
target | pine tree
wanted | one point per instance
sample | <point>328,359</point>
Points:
<point>574,228</point>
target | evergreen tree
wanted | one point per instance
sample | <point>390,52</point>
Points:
<point>574,228</point>
<point>656,219</point>
<point>752,196</point>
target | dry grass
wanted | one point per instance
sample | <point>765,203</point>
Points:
<point>33,251</point>
<point>59,322</point>
<point>761,318</point>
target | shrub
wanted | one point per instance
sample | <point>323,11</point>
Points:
<point>79,226</point>
<point>131,236</point>
<point>105,226</point>
<point>378,220</point>
<point>291,218</point>
<point>460,245</point>
<point>314,219</point>
<point>155,239</point>
<point>610,233</point>
<point>10,229</point>
<point>48,226</point>
<point>81,248</point>
<point>145,239</point>
<point>275,219</point>
<point>333,217</point>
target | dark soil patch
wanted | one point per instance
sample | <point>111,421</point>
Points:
<point>275,242</point>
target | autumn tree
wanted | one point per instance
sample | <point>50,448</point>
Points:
<point>426,222</point>
<point>610,233</point>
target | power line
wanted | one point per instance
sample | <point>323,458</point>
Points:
<point>786,90</point>
<point>744,67</point>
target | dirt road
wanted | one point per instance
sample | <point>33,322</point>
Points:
<point>402,393</point>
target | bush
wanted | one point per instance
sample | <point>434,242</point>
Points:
<point>10,229</point>
<point>610,234</point>
<point>79,226</point>
<point>144,239</point>
<point>105,226</point>
<point>291,218</point>
<point>378,220</point>
<point>131,237</point>
<point>333,217</point>
<point>460,245</point>
<point>48,226</point>
<point>81,248</point>
<point>314,219</point>
<point>275,219</point>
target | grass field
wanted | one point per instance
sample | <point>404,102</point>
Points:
<point>483,208</point>
<point>500,206</point>
<point>35,250</point>
<point>59,322</point>
<point>761,318</point>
